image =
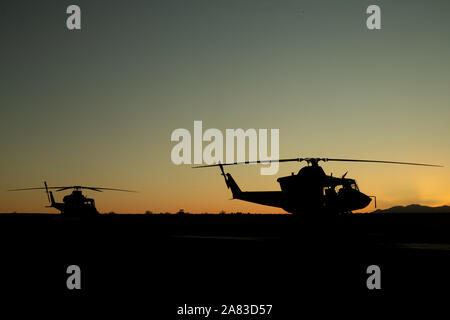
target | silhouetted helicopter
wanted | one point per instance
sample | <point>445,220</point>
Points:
<point>75,204</point>
<point>310,190</point>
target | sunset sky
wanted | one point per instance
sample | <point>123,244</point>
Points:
<point>97,107</point>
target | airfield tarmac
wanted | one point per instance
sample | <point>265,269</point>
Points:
<point>171,260</point>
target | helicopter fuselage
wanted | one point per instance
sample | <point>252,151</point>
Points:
<point>310,190</point>
<point>75,204</point>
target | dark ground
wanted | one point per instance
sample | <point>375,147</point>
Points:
<point>160,262</point>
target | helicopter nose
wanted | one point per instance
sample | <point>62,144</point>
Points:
<point>364,200</point>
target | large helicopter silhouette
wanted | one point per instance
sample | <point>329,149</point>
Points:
<point>310,190</point>
<point>75,204</point>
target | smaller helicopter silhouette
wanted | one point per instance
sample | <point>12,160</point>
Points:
<point>75,204</point>
<point>310,190</point>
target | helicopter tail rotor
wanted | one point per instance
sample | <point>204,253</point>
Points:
<point>50,197</point>
<point>224,176</point>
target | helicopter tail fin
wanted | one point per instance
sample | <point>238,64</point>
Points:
<point>235,190</point>
<point>52,199</point>
<point>229,181</point>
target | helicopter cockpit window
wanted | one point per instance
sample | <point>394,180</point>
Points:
<point>329,191</point>
<point>354,186</point>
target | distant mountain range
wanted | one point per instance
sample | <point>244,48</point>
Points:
<point>415,208</point>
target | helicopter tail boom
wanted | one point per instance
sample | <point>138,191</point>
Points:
<point>268,198</point>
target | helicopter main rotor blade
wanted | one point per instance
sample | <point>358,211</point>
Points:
<point>38,188</point>
<point>65,188</point>
<point>249,162</point>
<point>383,161</point>
<point>99,189</point>
<point>76,188</point>
<point>311,160</point>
